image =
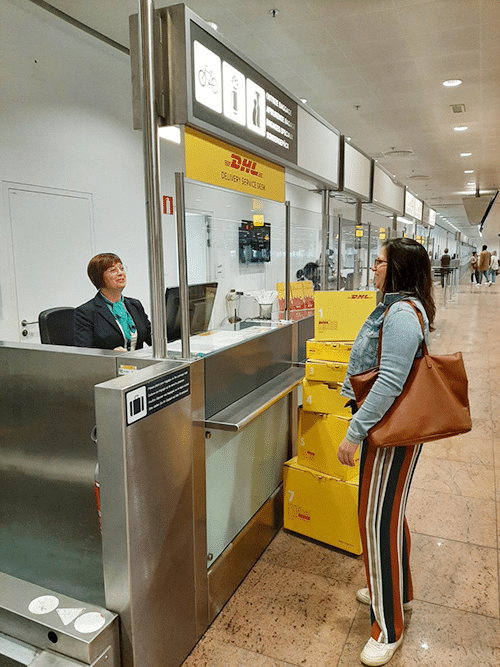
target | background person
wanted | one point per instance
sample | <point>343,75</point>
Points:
<point>493,267</point>
<point>402,271</point>
<point>110,321</point>
<point>483,265</point>
<point>445,266</point>
<point>474,272</point>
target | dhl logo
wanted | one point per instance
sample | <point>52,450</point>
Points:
<point>360,296</point>
<point>243,164</point>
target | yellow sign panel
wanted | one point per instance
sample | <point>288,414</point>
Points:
<point>213,161</point>
<point>359,231</point>
<point>258,220</point>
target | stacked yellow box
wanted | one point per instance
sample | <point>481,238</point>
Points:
<point>321,496</point>
<point>301,299</point>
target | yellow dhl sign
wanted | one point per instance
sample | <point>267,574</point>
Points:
<point>213,161</point>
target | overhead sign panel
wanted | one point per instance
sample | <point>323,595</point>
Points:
<point>213,161</point>
<point>387,193</point>
<point>228,94</point>
<point>357,172</point>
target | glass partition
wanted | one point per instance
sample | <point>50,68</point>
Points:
<point>238,242</point>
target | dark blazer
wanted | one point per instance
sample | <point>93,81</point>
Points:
<point>95,325</point>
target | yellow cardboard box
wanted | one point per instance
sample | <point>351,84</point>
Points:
<point>324,397</point>
<point>328,350</point>
<point>326,371</point>
<point>339,315</point>
<point>308,294</point>
<point>301,296</point>
<point>319,438</point>
<point>322,507</point>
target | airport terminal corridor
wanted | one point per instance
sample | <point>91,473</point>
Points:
<point>297,607</point>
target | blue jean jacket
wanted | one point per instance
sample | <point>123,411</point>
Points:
<point>401,343</point>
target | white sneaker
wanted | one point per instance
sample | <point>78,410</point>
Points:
<point>363,595</point>
<point>376,653</point>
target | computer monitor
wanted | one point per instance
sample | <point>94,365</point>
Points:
<point>200,301</point>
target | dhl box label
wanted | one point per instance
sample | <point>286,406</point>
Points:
<point>319,438</point>
<point>338,316</point>
<point>324,397</point>
<point>326,371</point>
<point>328,350</point>
<point>321,507</point>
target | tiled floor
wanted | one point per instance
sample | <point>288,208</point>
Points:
<point>297,606</point>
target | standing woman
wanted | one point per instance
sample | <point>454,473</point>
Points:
<point>493,267</point>
<point>111,321</point>
<point>402,271</point>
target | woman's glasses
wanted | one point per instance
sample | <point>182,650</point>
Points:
<point>378,262</point>
<point>116,269</point>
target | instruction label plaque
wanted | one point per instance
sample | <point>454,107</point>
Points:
<point>156,395</point>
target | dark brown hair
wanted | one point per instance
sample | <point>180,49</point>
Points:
<point>409,271</point>
<point>98,265</point>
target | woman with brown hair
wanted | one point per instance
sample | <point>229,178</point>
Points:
<point>111,321</point>
<point>402,273</point>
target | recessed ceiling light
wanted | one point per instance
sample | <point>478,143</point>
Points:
<point>465,154</point>
<point>460,128</point>
<point>471,183</point>
<point>212,25</point>
<point>452,83</point>
<point>468,171</point>
<point>303,100</point>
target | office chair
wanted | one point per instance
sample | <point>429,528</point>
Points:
<point>56,326</point>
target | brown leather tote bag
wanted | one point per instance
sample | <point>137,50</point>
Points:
<point>433,404</point>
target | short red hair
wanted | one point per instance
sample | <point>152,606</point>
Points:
<point>99,264</point>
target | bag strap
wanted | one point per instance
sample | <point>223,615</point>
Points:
<point>420,319</point>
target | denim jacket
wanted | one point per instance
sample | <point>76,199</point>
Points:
<point>401,343</point>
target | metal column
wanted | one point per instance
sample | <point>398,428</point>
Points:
<point>182,261</point>
<point>325,210</point>
<point>287,260</point>
<point>152,179</point>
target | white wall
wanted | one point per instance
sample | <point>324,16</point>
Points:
<point>66,123</point>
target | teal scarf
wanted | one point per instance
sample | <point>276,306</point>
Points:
<point>123,318</point>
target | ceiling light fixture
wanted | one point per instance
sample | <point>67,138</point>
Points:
<point>303,100</point>
<point>471,183</point>
<point>461,128</point>
<point>465,154</point>
<point>212,25</point>
<point>468,171</point>
<point>452,83</point>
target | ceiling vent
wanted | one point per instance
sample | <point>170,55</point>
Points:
<point>458,108</point>
<point>398,153</point>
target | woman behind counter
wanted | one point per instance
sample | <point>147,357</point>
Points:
<point>402,271</point>
<point>111,321</point>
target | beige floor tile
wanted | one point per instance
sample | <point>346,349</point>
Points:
<point>452,517</point>
<point>455,574</point>
<point>455,477</point>
<point>284,614</point>
<point>473,447</point>
<point>289,550</point>
<point>435,636</point>
<point>212,653</point>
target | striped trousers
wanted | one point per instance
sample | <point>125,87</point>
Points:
<point>384,482</point>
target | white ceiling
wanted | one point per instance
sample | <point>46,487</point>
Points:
<point>374,70</point>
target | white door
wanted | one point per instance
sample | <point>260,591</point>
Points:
<point>197,247</point>
<point>52,239</point>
